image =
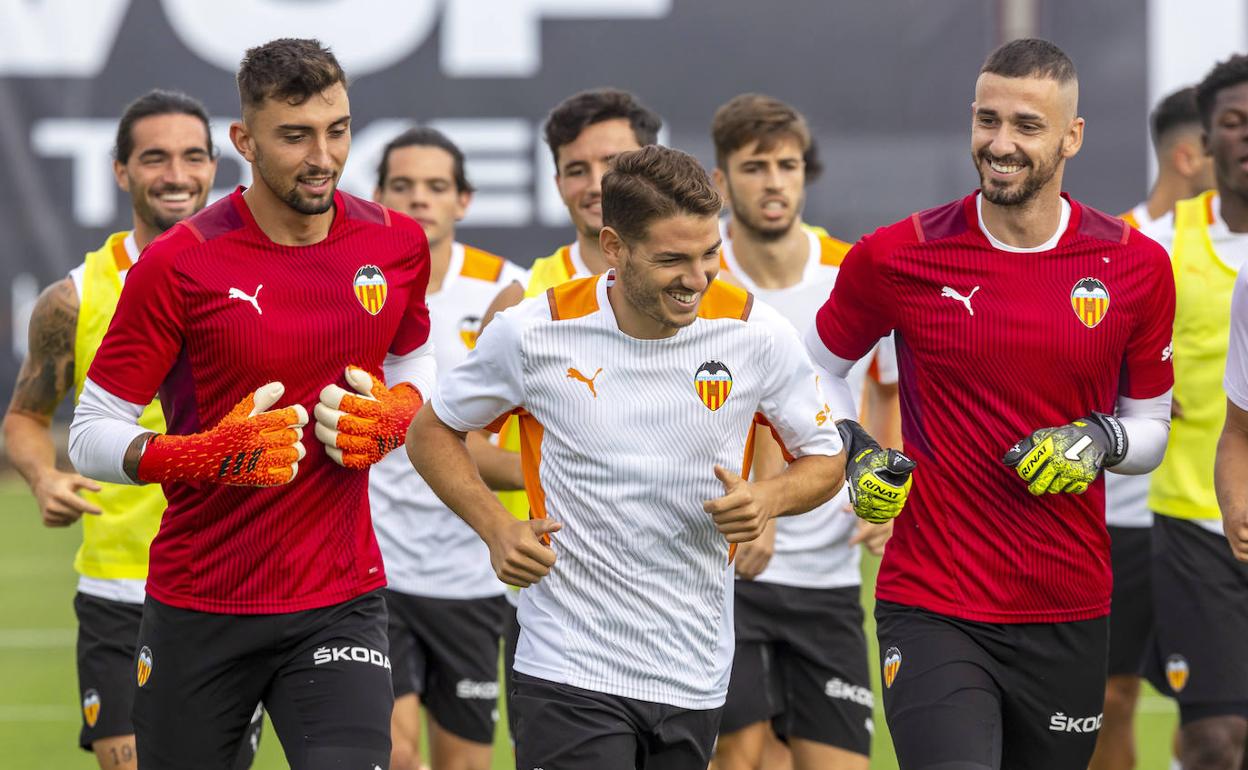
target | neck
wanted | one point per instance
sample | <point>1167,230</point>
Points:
<point>279,222</point>
<point>1027,225</point>
<point>143,233</point>
<point>1233,209</point>
<point>771,264</point>
<point>439,263</point>
<point>632,321</point>
<point>591,253</point>
<point>1169,189</point>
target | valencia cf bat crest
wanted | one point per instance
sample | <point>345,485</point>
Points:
<point>713,382</point>
<point>1177,672</point>
<point>91,707</point>
<point>145,665</point>
<point>1090,300</point>
<point>370,288</point>
<point>469,328</point>
<point>892,664</point>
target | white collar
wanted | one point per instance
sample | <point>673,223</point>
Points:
<point>1062,223</point>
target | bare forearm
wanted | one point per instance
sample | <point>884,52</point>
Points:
<point>1230,474</point>
<point>806,483</point>
<point>29,445</point>
<point>499,468</point>
<point>441,456</point>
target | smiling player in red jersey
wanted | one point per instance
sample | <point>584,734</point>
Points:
<point>266,594</point>
<point>1015,309</point>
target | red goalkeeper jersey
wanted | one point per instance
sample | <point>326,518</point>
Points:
<point>214,310</point>
<point>992,345</point>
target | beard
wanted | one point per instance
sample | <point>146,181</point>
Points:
<point>1036,179</point>
<point>644,297</point>
<point>763,231</point>
<point>289,193</point>
<point>150,215</point>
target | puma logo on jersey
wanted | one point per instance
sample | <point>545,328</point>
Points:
<point>950,293</point>
<point>574,374</point>
<point>238,294</point>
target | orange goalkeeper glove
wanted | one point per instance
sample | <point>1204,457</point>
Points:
<point>250,447</point>
<point>358,430</point>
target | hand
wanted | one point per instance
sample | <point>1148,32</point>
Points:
<point>359,430</point>
<point>753,557</point>
<point>1069,457</point>
<point>1235,525</point>
<point>250,447</point>
<point>738,514</point>
<point>878,480</point>
<point>520,551</point>
<point>1176,409</point>
<point>873,536</point>
<point>59,502</point>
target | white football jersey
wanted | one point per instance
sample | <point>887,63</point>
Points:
<point>813,550</point>
<point>428,550</point>
<point>619,439</point>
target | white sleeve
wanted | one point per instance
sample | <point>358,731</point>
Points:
<point>833,372</point>
<point>489,382</point>
<point>103,428</point>
<point>793,402</point>
<point>418,367</point>
<point>886,360</point>
<point>1235,382</point>
<point>1147,424</point>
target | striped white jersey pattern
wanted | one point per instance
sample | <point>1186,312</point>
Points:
<point>813,550</point>
<point>428,550</point>
<point>639,602</point>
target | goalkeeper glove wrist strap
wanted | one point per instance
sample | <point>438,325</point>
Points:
<point>1115,437</point>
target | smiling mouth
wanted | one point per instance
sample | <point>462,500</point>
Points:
<point>683,297</point>
<point>181,196</point>
<point>1005,168</point>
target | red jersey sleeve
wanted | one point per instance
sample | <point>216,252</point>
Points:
<point>413,329</point>
<point>859,310</point>
<point>1147,370</point>
<point>145,336</point>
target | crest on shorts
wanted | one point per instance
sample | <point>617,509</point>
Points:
<point>892,664</point>
<point>91,707</point>
<point>469,328</point>
<point>1177,672</point>
<point>370,288</point>
<point>145,665</point>
<point>1090,300</point>
<point>713,382</point>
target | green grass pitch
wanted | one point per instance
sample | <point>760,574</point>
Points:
<point>39,713</point>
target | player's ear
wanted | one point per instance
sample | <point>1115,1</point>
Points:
<point>119,173</point>
<point>462,201</point>
<point>1073,139</point>
<point>612,245</point>
<point>242,140</point>
<point>721,183</point>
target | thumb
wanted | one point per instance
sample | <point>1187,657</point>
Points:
<point>1017,451</point>
<point>363,382</point>
<point>266,396</point>
<point>82,482</point>
<point>544,526</point>
<point>727,478</point>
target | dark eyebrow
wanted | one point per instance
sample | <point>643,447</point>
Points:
<point>301,127</point>
<point>716,247</point>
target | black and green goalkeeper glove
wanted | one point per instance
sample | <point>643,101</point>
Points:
<point>878,479</point>
<point>1069,457</point>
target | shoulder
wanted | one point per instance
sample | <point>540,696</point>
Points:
<point>214,221</point>
<point>1115,232</point>
<point>55,305</point>
<point>571,299</point>
<point>939,223</point>
<point>372,215</point>
<point>726,301</point>
<point>549,271</point>
<point>481,265</point>
<point>832,251</point>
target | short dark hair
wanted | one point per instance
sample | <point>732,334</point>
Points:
<point>652,183</point>
<point>1030,57</point>
<point>579,111</point>
<point>1178,110</point>
<point>1224,74</point>
<point>289,69</point>
<point>757,118</point>
<point>152,103</point>
<point>424,136</point>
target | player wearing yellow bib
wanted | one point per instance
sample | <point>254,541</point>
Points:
<point>1183,171</point>
<point>164,159</point>
<point>445,605</point>
<point>584,132</point>
<point>1200,590</point>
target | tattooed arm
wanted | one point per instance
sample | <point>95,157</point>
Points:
<point>47,375</point>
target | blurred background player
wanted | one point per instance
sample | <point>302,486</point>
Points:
<point>626,640</point>
<point>1200,592</point>
<point>991,601</point>
<point>446,605</point>
<point>164,159</point>
<point>801,654</point>
<point>584,132</point>
<point>259,593</point>
<point>1183,171</point>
